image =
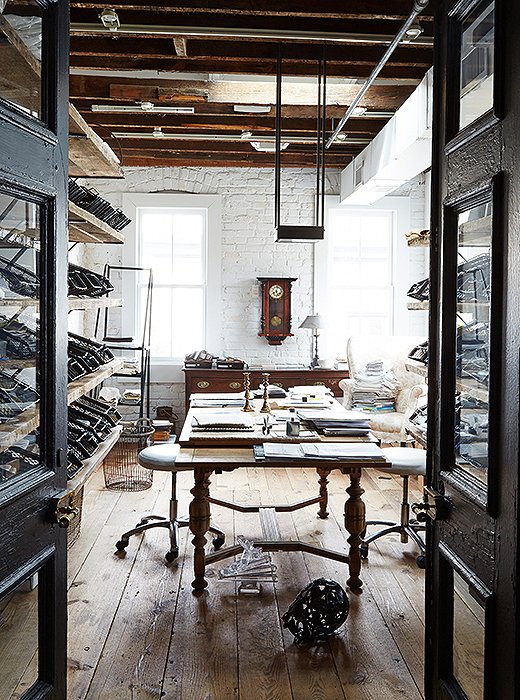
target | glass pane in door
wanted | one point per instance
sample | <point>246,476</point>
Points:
<point>477,63</point>
<point>20,54</point>
<point>19,639</point>
<point>19,337</point>
<point>468,640</point>
<point>472,341</point>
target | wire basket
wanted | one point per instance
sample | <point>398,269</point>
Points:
<point>121,469</point>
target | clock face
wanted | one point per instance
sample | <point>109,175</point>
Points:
<point>275,291</point>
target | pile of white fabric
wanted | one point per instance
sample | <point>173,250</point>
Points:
<point>375,388</point>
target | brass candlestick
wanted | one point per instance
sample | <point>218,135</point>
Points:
<point>265,406</point>
<point>247,384</point>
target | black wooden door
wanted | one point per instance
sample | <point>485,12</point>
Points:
<point>472,612</point>
<point>33,280</point>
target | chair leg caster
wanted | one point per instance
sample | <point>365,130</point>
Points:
<point>172,555</point>
<point>121,545</point>
<point>363,551</point>
<point>421,561</point>
<point>218,542</point>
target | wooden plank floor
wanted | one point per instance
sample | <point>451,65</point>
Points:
<point>137,632</point>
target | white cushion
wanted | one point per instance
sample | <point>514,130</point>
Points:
<point>406,460</point>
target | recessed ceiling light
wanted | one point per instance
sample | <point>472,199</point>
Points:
<point>246,135</point>
<point>143,107</point>
<point>358,111</point>
<point>413,32</point>
<point>158,133</point>
<point>109,19</point>
<point>252,109</point>
<point>268,146</point>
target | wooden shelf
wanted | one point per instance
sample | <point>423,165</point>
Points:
<point>416,367</point>
<point>17,428</point>
<point>27,421</point>
<point>91,464</point>
<point>418,435</point>
<point>422,242</point>
<point>75,303</point>
<point>477,233</point>
<point>84,227</point>
<point>89,155</point>
<point>82,386</point>
<point>474,388</point>
<point>418,305</point>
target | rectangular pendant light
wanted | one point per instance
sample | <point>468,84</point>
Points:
<point>295,233</point>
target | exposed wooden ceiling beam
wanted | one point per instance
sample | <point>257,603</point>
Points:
<point>334,9</point>
<point>231,66</point>
<point>106,88</point>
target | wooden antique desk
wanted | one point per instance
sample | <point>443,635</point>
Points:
<point>227,451</point>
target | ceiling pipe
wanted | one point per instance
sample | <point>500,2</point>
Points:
<point>237,33</point>
<point>418,7</point>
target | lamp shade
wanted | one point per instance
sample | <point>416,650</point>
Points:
<point>313,321</point>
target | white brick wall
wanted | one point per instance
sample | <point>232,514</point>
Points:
<point>248,251</point>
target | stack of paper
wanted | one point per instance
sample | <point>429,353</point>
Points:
<point>325,450</point>
<point>375,389</point>
<point>217,400</point>
<point>352,423</point>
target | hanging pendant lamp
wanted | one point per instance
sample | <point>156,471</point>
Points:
<point>299,232</point>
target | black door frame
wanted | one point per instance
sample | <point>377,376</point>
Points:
<point>34,167</point>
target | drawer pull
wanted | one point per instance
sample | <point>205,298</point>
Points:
<point>318,383</point>
<point>277,384</point>
<point>234,385</point>
<point>202,385</point>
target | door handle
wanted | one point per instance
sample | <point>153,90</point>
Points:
<point>435,506</point>
<point>64,510</point>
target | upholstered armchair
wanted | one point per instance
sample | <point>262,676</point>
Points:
<point>393,351</point>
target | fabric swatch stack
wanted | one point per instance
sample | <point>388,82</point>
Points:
<point>375,389</point>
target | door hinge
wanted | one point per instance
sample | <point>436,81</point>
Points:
<point>64,509</point>
<point>435,506</point>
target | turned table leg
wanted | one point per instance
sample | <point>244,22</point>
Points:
<point>199,525</point>
<point>355,525</point>
<point>324,494</point>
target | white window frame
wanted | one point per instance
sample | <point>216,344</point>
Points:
<point>170,370</point>
<point>400,207</point>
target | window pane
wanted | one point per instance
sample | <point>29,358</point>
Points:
<point>477,63</point>
<point>173,245</point>
<point>20,54</point>
<point>19,640</point>
<point>468,640</point>
<point>19,337</point>
<point>177,321</point>
<point>359,275</point>
<point>188,320</point>
<point>472,340</point>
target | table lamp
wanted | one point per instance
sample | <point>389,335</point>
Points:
<point>314,322</point>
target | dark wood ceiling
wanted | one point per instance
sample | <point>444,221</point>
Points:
<point>154,57</point>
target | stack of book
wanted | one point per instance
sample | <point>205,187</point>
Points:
<point>351,423</point>
<point>375,389</point>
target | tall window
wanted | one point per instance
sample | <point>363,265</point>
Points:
<point>181,245</point>
<point>172,242</point>
<point>360,271</point>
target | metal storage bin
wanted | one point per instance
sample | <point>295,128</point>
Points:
<point>121,469</point>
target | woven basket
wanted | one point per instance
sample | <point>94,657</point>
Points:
<point>121,469</point>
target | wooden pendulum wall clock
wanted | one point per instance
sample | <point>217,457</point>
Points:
<point>275,323</point>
